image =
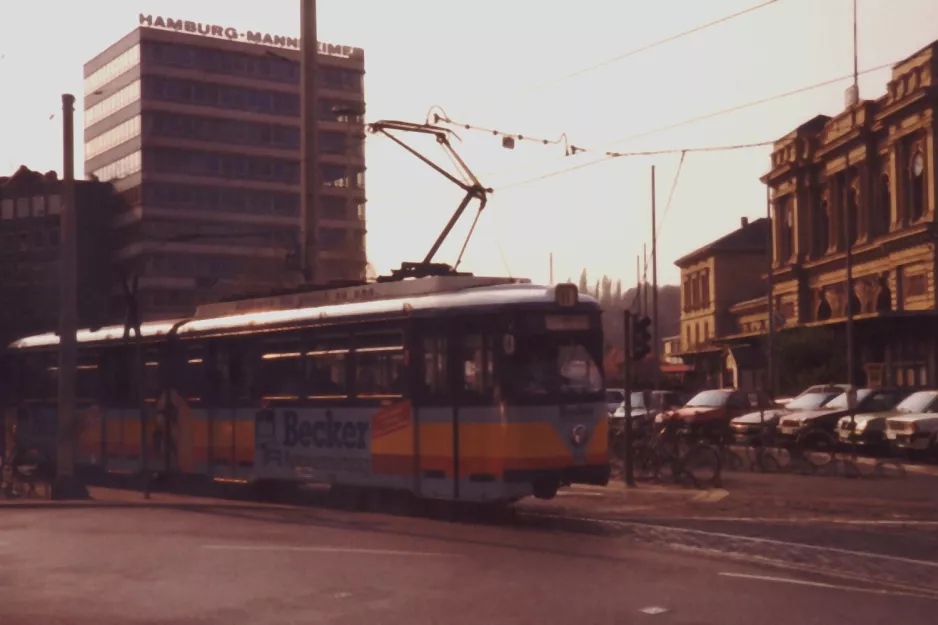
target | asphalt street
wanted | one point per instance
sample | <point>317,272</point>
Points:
<point>257,564</point>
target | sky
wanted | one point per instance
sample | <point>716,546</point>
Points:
<point>506,65</point>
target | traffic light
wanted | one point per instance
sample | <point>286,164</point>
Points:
<point>641,338</point>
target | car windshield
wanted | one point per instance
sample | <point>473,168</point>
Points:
<point>810,401</point>
<point>709,399</point>
<point>917,402</point>
<point>840,402</point>
<point>638,400</point>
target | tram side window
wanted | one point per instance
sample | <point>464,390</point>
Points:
<point>38,378</point>
<point>151,373</point>
<point>435,382</point>
<point>379,370</point>
<point>281,371</point>
<point>236,379</point>
<point>117,369</point>
<point>327,368</point>
<point>478,366</point>
<point>87,377</point>
<point>190,378</point>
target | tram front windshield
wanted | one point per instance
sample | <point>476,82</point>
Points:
<point>558,367</point>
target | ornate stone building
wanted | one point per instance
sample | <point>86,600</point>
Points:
<point>864,179</point>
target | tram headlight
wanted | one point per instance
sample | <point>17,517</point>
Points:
<point>579,434</point>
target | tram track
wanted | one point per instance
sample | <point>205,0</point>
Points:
<point>897,573</point>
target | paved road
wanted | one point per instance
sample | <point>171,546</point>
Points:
<point>245,563</point>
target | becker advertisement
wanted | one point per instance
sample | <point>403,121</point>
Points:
<point>312,444</point>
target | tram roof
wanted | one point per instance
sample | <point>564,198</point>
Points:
<point>478,297</point>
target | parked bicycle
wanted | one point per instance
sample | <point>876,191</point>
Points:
<point>671,454</point>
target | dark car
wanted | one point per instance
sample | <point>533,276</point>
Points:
<point>748,428</point>
<point>825,418</point>
<point>646,405</point>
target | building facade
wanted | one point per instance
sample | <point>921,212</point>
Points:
<point>864,180</point>
<point>715,278</point>
<point>198,128</point>
<point>30,205</point>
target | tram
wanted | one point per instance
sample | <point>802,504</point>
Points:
<point>448,387</point>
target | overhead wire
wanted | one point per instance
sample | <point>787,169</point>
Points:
<point>650,46</point>
<point>613,155</point>
<point>640,49</point>
<point>667,206</point>
<point>570,150</point>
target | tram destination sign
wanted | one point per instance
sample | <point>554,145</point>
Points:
<point>250,36</point>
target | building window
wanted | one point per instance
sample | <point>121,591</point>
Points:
<point>112,104</point>
<point>917,190</point>
<point>786,229</point>
<point>687,301</point>
<point>821,241</point>
<point>22,207</point>
<point>331,238</point>
<point>6,209</point>
<point>884,219</point>
<point>706,332</point>
<point>706,288</point>
<point>851,217</point>
<point>117,67</point>
<point>39,206</point>
<point>361,211</point>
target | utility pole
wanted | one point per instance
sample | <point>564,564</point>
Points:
<point>628,470</point>
<point>848,245</point>
<point>770,347</point>
<point>643,309</point>
<point>655,336</point>
<point>551,276</point>
<point>66,486</point>
<point>309,162</point>
<point>637,300</point>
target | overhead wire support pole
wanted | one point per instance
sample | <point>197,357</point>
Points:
<point>656,349</point>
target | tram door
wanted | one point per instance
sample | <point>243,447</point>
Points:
<point>449,390</point>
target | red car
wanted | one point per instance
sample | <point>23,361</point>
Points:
<point>713,410</point>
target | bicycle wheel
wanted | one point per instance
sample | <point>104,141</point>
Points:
<point>702,465</point>
<point>817,448</point>
<point>732,460</point>
<point>646,464</point>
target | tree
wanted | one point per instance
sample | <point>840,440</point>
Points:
<point>617,296</point>
<point>597,288</point>
<point>584,282</point>
<point>605,294</point>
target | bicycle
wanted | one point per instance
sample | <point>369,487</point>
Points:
<point>669,453</point>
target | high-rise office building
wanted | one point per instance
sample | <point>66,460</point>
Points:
<point>198,127</point>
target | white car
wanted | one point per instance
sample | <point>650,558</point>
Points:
<point>614,398</point>
<point>916,430</point>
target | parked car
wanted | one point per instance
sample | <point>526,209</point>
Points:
<point>793,425</point>
<point>916,431</point>
<point>708,413</point>
<point>748,428</point>
<point>614,398</point>
<point>646,405</point>
<point>869,430</point>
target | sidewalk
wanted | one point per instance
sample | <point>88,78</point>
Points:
<point>766,496</point>
<point>102,497</point>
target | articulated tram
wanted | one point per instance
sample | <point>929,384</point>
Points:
<point>450,387</point>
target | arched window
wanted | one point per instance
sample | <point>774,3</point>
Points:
<point>917,186</point>
<point>885,204</point>
<point>821,229</point>
<point>851,216</point>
